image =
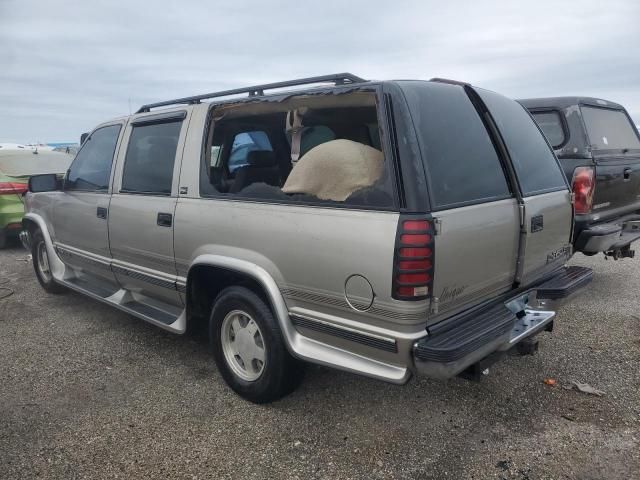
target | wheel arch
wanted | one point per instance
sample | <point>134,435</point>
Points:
<point>210,274</point>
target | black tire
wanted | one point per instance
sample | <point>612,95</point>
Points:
<point>3,239</point>
<point>281,373</point>
<point>46,281</point>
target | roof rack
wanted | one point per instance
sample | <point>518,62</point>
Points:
<point>449,81</point>
<point>258,90</point>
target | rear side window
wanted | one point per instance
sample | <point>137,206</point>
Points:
<point>609,129</point>
<point>551,125</point>
<point>91,169</point>
<point>462,164</point>
<point>537,168</point>
<point>148,166</point>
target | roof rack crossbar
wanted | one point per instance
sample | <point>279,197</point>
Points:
<point>258,90</point>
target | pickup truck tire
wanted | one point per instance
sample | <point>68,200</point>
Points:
<point>41,265</point>
<point>249,348</point>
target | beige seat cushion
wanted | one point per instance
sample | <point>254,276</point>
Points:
<point>334,170</point>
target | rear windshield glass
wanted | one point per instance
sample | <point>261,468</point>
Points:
<point>609,129</point>
<point>551,126</point>
<point>537,168</point>
<point>26,163</point>
<point>462,164</point>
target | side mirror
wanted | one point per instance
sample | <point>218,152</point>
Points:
<point>48,182</point>
<point>83,137</point>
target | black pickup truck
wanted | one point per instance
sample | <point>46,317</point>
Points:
<point>599,149</point>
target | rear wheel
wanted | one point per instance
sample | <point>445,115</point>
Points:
<point>249,348</point>
<point>42,266</point>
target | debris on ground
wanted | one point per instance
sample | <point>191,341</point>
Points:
<point>549,381</point>
<point>584,388</point>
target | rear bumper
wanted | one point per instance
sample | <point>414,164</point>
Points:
<point>468,338</point>
<point>11,210</point>
<point>614,235</point>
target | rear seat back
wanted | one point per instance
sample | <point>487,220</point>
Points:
<point>262,168</point>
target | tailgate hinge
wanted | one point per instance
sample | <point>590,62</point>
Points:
<point>433,306</point>
<point>437,225</point>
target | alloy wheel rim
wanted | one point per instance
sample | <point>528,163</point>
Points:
<point>243,345</point>
<point>43,262</point>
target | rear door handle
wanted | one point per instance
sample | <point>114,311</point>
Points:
<point>101,212</point>
<point>165,219</point>
<point>627,173</point>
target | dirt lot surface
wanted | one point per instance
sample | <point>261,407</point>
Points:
<point>89,392</point>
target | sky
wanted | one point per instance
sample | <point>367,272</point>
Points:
<point>66,66</point>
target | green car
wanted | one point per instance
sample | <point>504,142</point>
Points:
<point>16,166</point>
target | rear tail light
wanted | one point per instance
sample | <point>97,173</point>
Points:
<point>583,185</point>
<point>13,188</point>
<point>413,260</point>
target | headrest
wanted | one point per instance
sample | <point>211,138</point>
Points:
<point>261,158</point>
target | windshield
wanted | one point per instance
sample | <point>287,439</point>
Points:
<point>27,163</point>
<point>609,129</point>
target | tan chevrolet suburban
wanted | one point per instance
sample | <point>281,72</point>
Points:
<point>385,228</point>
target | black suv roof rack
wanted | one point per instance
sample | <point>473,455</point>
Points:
<point>258,90</point>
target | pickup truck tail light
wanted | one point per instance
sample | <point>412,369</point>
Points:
<point>413,259</point>
<point>13,188</point>
<point>583,185</point>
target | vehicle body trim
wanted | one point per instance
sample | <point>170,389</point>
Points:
<point>298,345</point>
<point>370,340</point>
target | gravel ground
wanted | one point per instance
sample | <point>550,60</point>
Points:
<point>89,392</point>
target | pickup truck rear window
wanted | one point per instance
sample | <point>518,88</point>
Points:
<point>535,164</point>
<point>551,125</point>
<point>460,159</point>
<point>609,129</point>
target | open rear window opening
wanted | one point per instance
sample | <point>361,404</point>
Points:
<point>609,129</point>
<point>307,148</point>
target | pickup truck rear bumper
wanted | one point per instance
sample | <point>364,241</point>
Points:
<point>457,343</point>
<point>611,236</point>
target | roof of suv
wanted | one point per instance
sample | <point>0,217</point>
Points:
<point>565,102</point>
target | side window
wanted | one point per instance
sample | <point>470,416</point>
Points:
<point>151,154</point>
<point>248,154</point>
<point>551,125</point>
<point>535,164</point>
<point>462,164</point>
<point>246,142</point>
<point>91,169</point>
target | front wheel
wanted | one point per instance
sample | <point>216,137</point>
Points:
<point>41,265</point>
<point>249,348</point>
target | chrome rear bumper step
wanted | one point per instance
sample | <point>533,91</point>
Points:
<point>466,339</point>
<point>565,283</point>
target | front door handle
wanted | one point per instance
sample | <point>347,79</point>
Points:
<point>101,212</point>
<point>165,219</point>
<point>627,173</point>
